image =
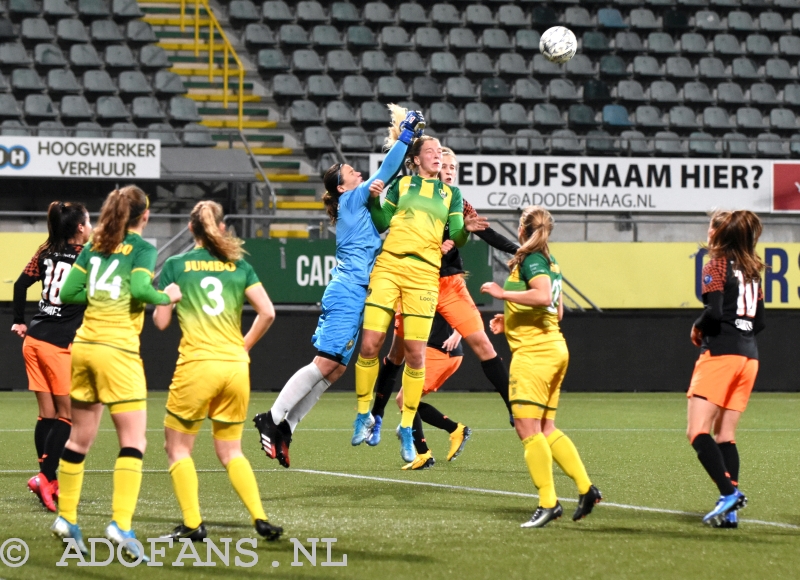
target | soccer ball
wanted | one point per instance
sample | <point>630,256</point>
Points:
<point>558,44</point>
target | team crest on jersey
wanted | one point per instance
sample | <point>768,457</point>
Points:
<point>707,279</point>
<point>442,193</point>
<point>350,344</point>
<point>555,268</point>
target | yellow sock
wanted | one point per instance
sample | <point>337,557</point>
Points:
<point>413,382</point>
<point>540,465</point>
<point>186,486</point>
<point>366,375</point>
<point>70,481</point>
<point>127,483</point>
<point>244,482</point>
<point>566,455</point>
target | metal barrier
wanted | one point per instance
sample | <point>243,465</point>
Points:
<point>215,28</point>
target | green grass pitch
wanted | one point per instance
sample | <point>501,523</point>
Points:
<point>633,445</point>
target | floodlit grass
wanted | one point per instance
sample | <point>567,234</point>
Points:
<point>633,445</point>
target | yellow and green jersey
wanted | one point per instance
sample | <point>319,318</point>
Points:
<point>416,211</point>
<point>210,312</point>
<point>115,288</point>
<point>530,325</point>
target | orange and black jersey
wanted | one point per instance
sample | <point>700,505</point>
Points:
<point>733,313</point>
<point>55,322</point>
<point>451,261</point>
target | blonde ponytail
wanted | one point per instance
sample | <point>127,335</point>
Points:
<point>123,208</point>
<point>398,113</point>
<point>537,224</point>
<point>205,219</point>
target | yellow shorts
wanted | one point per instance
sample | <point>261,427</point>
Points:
<point>219,390</point>
<point>534,380</point>
<point>108,375</point>
<point>407,285</point>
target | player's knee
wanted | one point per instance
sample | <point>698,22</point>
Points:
<point>481,345</point>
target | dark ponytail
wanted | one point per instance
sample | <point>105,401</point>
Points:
<point>332,180</point>
<point>123,208</point>
<point>63,219</point>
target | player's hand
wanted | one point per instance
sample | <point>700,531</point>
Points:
<point>414,121</point>
<point>447,245</point>
<point>492,289</point>
<point>498,324</point>
<point>174,293</point>
<point>452,342</point>
<point>475,223</point>
<point>697,336</point>
<point>376,188</point>
<point>20,330</point>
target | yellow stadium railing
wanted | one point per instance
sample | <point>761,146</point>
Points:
<point>214,29</point>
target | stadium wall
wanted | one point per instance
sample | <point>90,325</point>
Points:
<point>617,351</point>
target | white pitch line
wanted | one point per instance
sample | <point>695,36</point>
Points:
<point>506,430</point>
<point>446,486</point>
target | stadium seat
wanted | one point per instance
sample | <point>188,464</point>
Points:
<point>168,83</point>
<point>628,42</point>
<point>495,142</point>
<point>759,45</point>
<point>727,45</point>
<point>61,81</point>
<point>118,57</point>
<point>460,140</point>
<point>616,116</point>
<point>679,67</point>
<point>749,119</point>
<point>635,143</point>
<point>744,68</point>
<point>611,18</point>
<point>378,15</point>
<point>257,36</point>
<point>88,130</point>
<point>357,88</point>
<point>445,16</point>
<point>717,120</point>
<point>763,94</point>
<point>740,21</point>
<point>460,89</point>
<point>152,58</point>
<point>51,129</point>
<point>340,62</point>
<point>697,93</point>
<point>478,16</point>
<point>513,116</point>
<point>529,141</point>
<point>9,108</point>
<point>547,115</point>
<point>321,88</point>
<point>343,13</point>
<point>7,31</point>
<point>599,142</point>
<point>773,23</point>
<point>34,31</point>
<point>478,64</point>
<point>425,89</point>
<point>496,41</point>
<point>791,95</point>
<point>325,36</point>
<point>711,67</point>
<point>708,21</point>
<point>242,12</point>
<point>770,145</point>
<point>146,110</point>
<point>339,114</point>
<point>133,84</point>
<point>682,118</point>
<point>310,12</point>
<point>276,12</point>
<point>427,40</point>
<point>98,82</point>
<point>613,66</point>
<point>20,9</point>
<point>39,107</point>
<point>581,116</point>
<point>376,63</point>
<point>580,66</point>
<point>794,145</point>
<point>669,144</point>
<point>783,120</point>
<point>478,116</point>
<point>565,141</point>
<point>543,67</point>
<point>293,36</point>
<point>372,115</point>
<point>737,145</point>
<point>53,10</point>
<point>138,33</point>
<point>412,14</point>
<point>13,55</point>
<point>578,18</point>
<point>48,56</point>
<point>304,61</point>
<point>443,115</point>
<point>661,43</point>
<point>83,56</point>
<point>395,38</point>
<point>646,67</point>
<point>25,80</point>
<point>543,17</point>
<point>105,32</point>
<point>409,63</point>
<point>528,90</point>
<point>75,108</point>
<point>527,41</point>
<point>663,92</point>
<point>704,145</point>
<point>164,133</point>
<point>354,139</point>
<point>694,44</point>
<point>494,89</point>
<point>730,94</point>
<point>124,130</point>
<point>789,46</point>
<point>644,19</point>
<point>512,64</point>
<point>93,9</point>
<point>630,91</point>
<point>594,41</point>
<point>563,90</point>
<point>196,135</point>
<point>512,16</point>
<point>462,40</point>
<point>123,10</point>
<point>286,87</point>
<point>317,140</point>
<point>182,110</point>
<point>303,113</point>
<point>390,89</point>
<point>649,117</point>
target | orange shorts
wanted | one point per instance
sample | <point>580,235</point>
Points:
<point>49,366</point>
<point>457,307</point>
<point>438,368</point>
<point>725,380</point>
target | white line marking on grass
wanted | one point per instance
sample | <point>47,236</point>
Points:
<point>494,429</point>
<point>443,486</point>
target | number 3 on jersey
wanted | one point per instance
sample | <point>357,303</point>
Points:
<point>748,296</point>
<point>113,287</point>
<point>215,295</point>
